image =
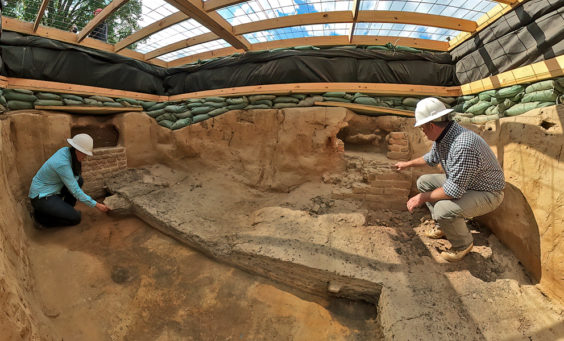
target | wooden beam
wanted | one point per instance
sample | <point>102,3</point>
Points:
<point>507,2</point>
<point>40,14</point>
<point>368,109</point>
<point>413,18</point>
<point>545,69</point>
<point>204,55</point>
<point>202,38</point>
<point>427,44</point>
<point>146,31</point>
<point>311,88</point>
<point>10,24</point>
<point>67,88</point>
<point>89,110</point>
<point>106,12</point>
<point>213,5</point>
<point>294,20</point>
<point>213,21</point>
<point>355,9</point>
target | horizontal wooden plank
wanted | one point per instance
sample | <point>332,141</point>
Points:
<point>417,43</point>
<point>89,110</point>
<point>202,38</point>
<point>312,88</point>
<point>294,20</point>
<point>226,51</point>
<point>38,85</point>
<point>368,109</point>
<point>414,18</point>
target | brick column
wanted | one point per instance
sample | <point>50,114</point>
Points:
<point>105,162</point>
<point>398,146</point>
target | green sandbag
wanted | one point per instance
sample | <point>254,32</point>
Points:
<point>237,106</point>
<point>23,91</point>
<point>543,85</point>
<point>72,97</point>
<point>366,101</point>
<point>467,98</point>
<point>214,99</point>
<point>48,102</point>
<point>458,108</point>
<point>286,99</point>
<point>359,94</point>
<point>112,104</point>
<point>255,98</point>
<point>218,111</point>
<point>484,118</point>
<point>215,105</point>
<point>195,105</point>
<point>486,95</point>
<point>166,123</point>
<point>3,101</point>
<point>166,116</point>
<point>201,110</point>
<point>335,94</point>
<point>285,105</point>
<point>410,101</point>
<point>158,106</point>
<point>407,49</point>
<point>102,98</point>
<point>540,96</point>
<point>257,106</point>
<point>299,96</point>
<point>147,105</point>
<point>307,102</point>
<point>336,99</point>
<point>305,47</point>
<point>90,101</point>
<point>48,95</point>
<point>263,102</point>
<point>470,103</point>
<point>521,108</point>
<point>392,100</point>
<point>12,95</point>
<point>175,108</point>
<point>445,100</point>
<point>560,81</point>
<point>194,100</point>
<point>129,100</point>
<point>479,108</point>
<point>181,123</point>
<point>19,105</point>
<point>500,107</point>
<point>377,47</point>
<point>237,100</point>
<point>200,118</point>
<point>494,110</point>
<point>184,114</point>
<point>350,97</point>
<point>72,102</point>
<point>510,91</point>
<point>156,113</point>
<point>517,98</point>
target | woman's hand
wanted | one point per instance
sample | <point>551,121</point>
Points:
<point>102,207</point>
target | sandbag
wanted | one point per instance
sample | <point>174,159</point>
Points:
<point>181,123</point>
<point>102,98</point>
<point>200,118</point>
<point>3,101</point>
<point>391,100</point>
<point>195,105</point>
<point>22,91</point>
<point>48,95</point>
<point>112,104</point>
<point>284,105</point>
<point>214,99</point>
<point>510,91</point>
<point>411,101</point>
<point>158,106</point>
<point>255,98</point>
<point>19,105</point>
<point>486,95</point>
<point>93,102</point>
<point>201,110</point>
<point>12,95</point>
<point>522,108</point>
<point>367,101</point>
<point>72,97</point>
<point>299,96</point>
<point>129,100</point>
<point>336,99</point>
<point>286,99</point>
<point>48,102</point>
<point>543,85</point>
<point>237,106</point>
<point>215,105</point>
<point>184,114</point>
<point>194,100</point>
<point>335,94</point>
<point>458,108</point>
<point>540,96</point>
<point>237,100</point>
<point>166,123</point>
<point>479,108</point>
<point>257,106</point>
<point>218,111</point>
<point>166,116</point>
<point>147,105</point>
<point>156,113</point>
<point>263,102</point>
<point>72,102</point>
<point>175,108</point>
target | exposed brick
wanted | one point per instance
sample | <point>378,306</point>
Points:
<point>404,192</point>
<point>400,142</point>
<point>397,156</point>
<point>390,176</point>
<point>398,148</point>
<point>398,135</point>
<point>366,189</point>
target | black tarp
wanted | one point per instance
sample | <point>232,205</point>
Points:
<point>44,59</point>
<point>530,33</point>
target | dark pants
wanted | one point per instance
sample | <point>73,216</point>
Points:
<point>57,210</point>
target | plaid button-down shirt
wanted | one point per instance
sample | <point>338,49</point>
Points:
<point>467,160</point>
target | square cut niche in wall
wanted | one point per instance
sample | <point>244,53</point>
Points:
<point>105,135</point>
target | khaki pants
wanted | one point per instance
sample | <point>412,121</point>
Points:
<point>450,214</point>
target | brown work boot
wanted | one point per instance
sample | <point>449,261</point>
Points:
<point>455,256</point>
<point>435,233</point>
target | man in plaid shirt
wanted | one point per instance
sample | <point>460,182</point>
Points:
<point>471,186</point>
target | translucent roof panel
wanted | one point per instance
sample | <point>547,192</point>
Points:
<point>181,31</point>
<point>404,30</point>
<point>155,10</point>
<point>299,32</point>
<point>200,48</point>
<point>256,10</point>
<point>462,9</point>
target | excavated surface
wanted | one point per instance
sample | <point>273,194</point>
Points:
<point>312,241</point>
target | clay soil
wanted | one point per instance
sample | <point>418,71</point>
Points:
<point>119,279</point>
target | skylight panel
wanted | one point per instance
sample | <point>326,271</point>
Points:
<point>462,9</point>
<point>181,31</point>
<point>320,30</point>
<point>155,10</point>
<point>409,31</point>
<point>254,10</point>
<point>196,49</point>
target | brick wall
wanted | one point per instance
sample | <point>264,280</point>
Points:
<point>95,168</point>
<point>398,146</point>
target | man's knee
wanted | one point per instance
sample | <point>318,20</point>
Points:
<point>423,183</point>
<point>445,209</point>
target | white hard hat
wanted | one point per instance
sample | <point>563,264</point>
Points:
<point>429,109</point>
<point>83,143</point>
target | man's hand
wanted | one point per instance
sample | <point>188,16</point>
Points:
<point>416,201</point>
<point>402,165</point>
<point>102,207</point>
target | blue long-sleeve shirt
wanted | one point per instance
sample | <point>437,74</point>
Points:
<point>55,173</point>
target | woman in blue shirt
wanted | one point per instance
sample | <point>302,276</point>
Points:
<point>56,186</point>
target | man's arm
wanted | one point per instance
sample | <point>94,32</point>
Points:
<point>432,197</point>
<point>411,163</point>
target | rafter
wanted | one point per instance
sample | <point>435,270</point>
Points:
<point>507,2</point>
<point>40,14</point>
<point>294,20</point>
<point>146,31</point>
<point>226,51</point>
<point>355,9</point>
<point>202,38</point>
<point>106,12</point>
<point>213,5</point>
<point>213,21</point>
<point>413,18</point>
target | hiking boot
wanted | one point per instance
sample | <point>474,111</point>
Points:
<point>435,233</point>
<point>454,256</point>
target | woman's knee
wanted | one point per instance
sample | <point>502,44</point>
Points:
<point>75,218</point>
